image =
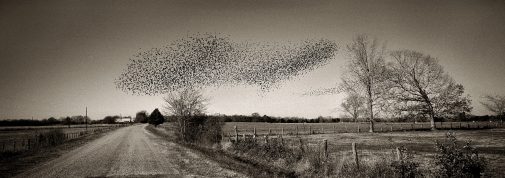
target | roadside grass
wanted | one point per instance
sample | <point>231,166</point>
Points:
<point>224,159</point>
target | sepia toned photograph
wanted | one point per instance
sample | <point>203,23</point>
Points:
<point>252,88</point>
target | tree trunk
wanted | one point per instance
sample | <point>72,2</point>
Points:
<point>432,121</point>
<point>370,108</point>
<point>427,100</point>
<point>432,113</point>
<point>371,126</point>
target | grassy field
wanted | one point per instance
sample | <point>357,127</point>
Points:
<point>263,128</point>
<point>22,132</point>
<point>373,146</point>
<point>17,138</point>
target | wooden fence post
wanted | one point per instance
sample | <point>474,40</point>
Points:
<point>282,131</point>
<point>297,130</point>
<point>310,130</point>
<point>325,148</point>
<point>391,128</point>
<point>236,133</point>
<point>269,131</point>
<point>301,145</point>
<point>358,128</point>
<point>334,129</point>
<point>266,139</point>
<point>254,132</point>
<point>243,135</point>
<point>398,154</point>
<point>322,130</point>
<point>459,125</point>
<point>355,153</point>
<point>451,125</point>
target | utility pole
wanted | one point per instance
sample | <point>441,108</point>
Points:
<point>86,118</point>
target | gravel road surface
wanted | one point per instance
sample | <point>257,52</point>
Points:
<point>130,152</point>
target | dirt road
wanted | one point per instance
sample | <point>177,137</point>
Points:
<point>130,152</point>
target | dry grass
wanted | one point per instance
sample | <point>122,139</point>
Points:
<point>489,142</point>
<point>23,132</point>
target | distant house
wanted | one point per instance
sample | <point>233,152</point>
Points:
<point>126,119</point>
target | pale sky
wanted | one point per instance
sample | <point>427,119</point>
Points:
<point>57,57</point>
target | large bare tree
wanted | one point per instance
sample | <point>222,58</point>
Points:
<point>420,82</point>
<point>495,104</point>
<point>366,73</point>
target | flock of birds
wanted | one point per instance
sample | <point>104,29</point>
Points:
<point>206,60</point>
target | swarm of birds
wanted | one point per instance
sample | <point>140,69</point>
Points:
<point>207,60</point>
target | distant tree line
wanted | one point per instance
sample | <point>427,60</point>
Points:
<point>68,120</point>
<point>255,117</point>
<point>142,117</point>
<point>272,119</point>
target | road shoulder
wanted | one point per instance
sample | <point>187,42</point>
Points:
<point>225,160</point>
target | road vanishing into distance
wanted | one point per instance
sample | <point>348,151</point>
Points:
<point>130,152</point>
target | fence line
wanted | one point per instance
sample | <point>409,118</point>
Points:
<point>323,147</point>
<point>34,141</point>
<point>357,128</point>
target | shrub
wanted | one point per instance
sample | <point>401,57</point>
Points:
<point>275,150</point>
<point>141,117</point>
<point>406,167</point>
<point>378,168</point>
<point>201,130</point>
<point>314,163</point>
<point>51,138</point>
<point>457,160</point>
<point>156,118</point>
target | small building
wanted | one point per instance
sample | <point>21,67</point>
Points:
<point>126,119</point>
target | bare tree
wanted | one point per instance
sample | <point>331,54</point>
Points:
<point>495,104</point>
<point>366,73</point>
<point>185,104</point>
<point>420,81</point>
<point>354,105</point>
